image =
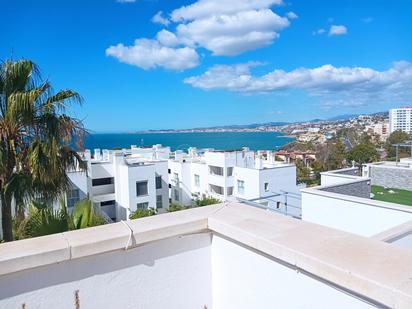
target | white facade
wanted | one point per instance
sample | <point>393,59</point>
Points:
<point>122,181</point>
<point>227,175</point>
<point>400,119</point>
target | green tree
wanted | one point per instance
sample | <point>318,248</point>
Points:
<point>318,167</point>
<point>44,220</point>
<point>84,215</point>
<point>303,172</point>
<point>336,159</point>
<point>395,137</point>
<point>36,135</point>
<point>363,153</point>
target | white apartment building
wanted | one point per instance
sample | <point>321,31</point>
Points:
<point>400,119</point>
<point>227,175</point>
<point>121,181</point>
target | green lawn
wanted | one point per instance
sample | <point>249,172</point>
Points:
<point>397,196</point>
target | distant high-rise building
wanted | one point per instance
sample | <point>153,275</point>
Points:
<point>401,119</point>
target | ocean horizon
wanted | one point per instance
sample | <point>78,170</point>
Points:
<point>182,141</point>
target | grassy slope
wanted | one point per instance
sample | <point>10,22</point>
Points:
<point>400,196</point>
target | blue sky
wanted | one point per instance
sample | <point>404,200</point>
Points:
<point>216,62</point>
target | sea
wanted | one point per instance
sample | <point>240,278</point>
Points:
<point>182,141</point>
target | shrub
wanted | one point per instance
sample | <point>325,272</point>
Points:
<point>141,213</point>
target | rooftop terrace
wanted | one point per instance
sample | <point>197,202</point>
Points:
<point>220,256</point>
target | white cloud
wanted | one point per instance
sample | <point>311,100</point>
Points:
<point>319,31</point>
<point>167,38</point>
<point>208,8</point>
<point>332,83</point>
<point>148,54</point>
<point>291,15</point>
<point>233,34</point>
<point>226,28</point>
<point>160,19</point>
<point>337,30</point>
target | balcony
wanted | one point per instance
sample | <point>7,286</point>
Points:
<point>215,170</point>
<point>103,189</point>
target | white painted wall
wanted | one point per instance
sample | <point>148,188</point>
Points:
<point>352,214</point>
<point>172,273</point>
<point>244,279</point>
<point>193,271</point>
<point>331,179</point>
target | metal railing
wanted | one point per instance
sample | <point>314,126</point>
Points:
<point>283,202</point>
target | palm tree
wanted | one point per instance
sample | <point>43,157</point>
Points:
<point>44,220</point>
<point>36,138</point>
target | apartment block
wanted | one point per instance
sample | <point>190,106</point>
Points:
<point>228,175</point>
<point>400,119</point>
<point>121,181</point>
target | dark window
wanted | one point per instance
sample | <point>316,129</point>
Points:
<point>141,188</point>
<point>144,205</point>
<point>73,196</point>
<point>158,182</point>
<point>169,171</point>
<point>102,181</point>
<point>170,185</point>
<point>159,201</point>
<point>108,203</point>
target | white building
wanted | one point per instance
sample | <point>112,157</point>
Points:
<point>400,119</point>
<point>226,175</point>
<point>123,180</point>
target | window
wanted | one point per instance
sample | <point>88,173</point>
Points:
<point>215,170</point>
<point>197,180</point>
<point>102,181</point>
<point>159,201</point>
<point>141,188</point>
<point>229,191</point>
<point>158,182</point>
<point>144,205</point>
<point>176,195</point>
<point>230,171</point>
<point>266,187</point>
<point>108,203</point>
<point>240,186</point>
<point>169,171</point>
<point>73,196</point>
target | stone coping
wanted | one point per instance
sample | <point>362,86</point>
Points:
<point>371,269</point>
<point>395,233</point>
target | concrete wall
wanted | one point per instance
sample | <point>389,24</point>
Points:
<point>171,273</point>
<point>244,279</point>
<point>391,176</point>
<point>361,216</point>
